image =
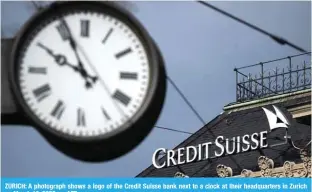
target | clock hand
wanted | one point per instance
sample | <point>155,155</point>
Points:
<point>73,45</point>
<point>60,59</point>
<point>85,75</point>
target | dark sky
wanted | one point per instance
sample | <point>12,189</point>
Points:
<point>201,49</point>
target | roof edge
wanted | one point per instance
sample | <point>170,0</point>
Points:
<point>265,101</point>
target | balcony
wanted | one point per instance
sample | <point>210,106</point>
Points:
<point>279,76</point>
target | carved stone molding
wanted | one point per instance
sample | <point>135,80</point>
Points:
<point>224,171</point>
<point>246,173</point>
<point>267,169</point>
<point>305,155</point>
<point>179,174</point>
<point>266,165</point>
<point>288,168</point>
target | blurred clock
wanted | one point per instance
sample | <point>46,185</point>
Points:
<point>89,77</point>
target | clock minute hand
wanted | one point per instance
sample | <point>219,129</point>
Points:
<point>73,45</point>
<point>60,59</point>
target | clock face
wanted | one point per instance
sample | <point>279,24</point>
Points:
<point>83,74</point>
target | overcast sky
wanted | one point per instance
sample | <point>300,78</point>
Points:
<point>201,49</point>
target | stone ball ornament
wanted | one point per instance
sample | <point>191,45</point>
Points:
<point>89,78</point>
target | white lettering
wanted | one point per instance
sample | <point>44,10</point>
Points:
<point>254,138</point>
<point>263,138</point>
<point>224,146</point>
<point>180,154</point>
<point>133,186</point>
<point>227,146</point>
<point>206,145</point>
<point>151,186</point>
<point>199,154</point>
<point>220,146</point>
<point>238,144</point>
<point>298,186</point>
<point>246,142</point>
<point>170,157</point>
<point>188,152</point>
<point>155,158</point>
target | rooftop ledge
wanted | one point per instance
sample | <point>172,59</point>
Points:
<point>266,101</point>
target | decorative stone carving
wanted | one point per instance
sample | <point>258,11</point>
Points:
<point>179,174</point>
<point>288,168</point>
<point>305,155</point>
<point>266,165</point>
<point>224,171</point>
<point>301,172</point>
<point>267,169</point>
<point>246,173</point>
<point>278,174</point>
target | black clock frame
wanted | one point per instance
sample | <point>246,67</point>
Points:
<point>126,137</point>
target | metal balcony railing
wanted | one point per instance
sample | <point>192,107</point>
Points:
<point>279,76</point>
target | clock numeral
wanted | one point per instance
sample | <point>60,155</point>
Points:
<point>63,30</point>
<point>37,70</point>
<point>127,75</point>
<point>107,35</point>
<point>58,110</point>
<point>123,98</point>
<point>123,53</point>
<point>84,27</point>
<point>42,92</point>
<point>107,117</point>
<point>81,120</point>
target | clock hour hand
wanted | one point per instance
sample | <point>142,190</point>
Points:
<point>62,60</point>
<point>59,59</point>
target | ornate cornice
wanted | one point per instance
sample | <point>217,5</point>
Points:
<point>266,165</point>
<point>179,174</point>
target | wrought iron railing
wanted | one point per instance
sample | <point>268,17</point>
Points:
<point>278,76</point>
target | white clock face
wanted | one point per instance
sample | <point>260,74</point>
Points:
<point>116,69</point>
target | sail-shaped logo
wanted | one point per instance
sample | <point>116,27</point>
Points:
<point>277,119</point>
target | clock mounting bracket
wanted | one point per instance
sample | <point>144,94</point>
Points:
<point>10,112</point>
